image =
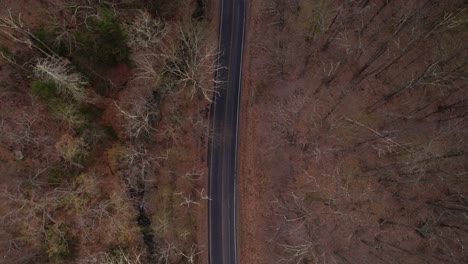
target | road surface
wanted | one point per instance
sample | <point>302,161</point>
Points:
<point>223,145</point>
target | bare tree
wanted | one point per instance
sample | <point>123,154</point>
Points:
<point>187,200</point>
<point>19,131</point>
<point>148,68</point>
<point>285,116</point>
<point>193,63</point>
<point>73,150</point>
<point>59,71</point>
<point>146,32</point>
<point>278,11</point>
<point>70,114</point>
<point>449,20</point>
<point>140,118</point>
<point>191,256</point>
<point>34,209</point>
<point>121,256</point>
<point>15,29</point>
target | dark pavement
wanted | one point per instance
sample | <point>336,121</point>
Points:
<point>223,145</point>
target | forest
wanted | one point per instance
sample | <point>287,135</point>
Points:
<point>353,131</point>
<point>356,129</point>
<point>103,126</point>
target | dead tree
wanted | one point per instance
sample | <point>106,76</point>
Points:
<point>14,28</point>
<point>60,72</point>
<point>191,63</point>
<point>140,118</point>
<point>146,32</point>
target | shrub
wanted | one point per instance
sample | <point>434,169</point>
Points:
<point>110,132</point>
<point>121,255</point>
<point>76,115</point>
<point>92,112</point>
<point>58,242</point>
<point>56,175</point>
<point>59,174</point>
<point>73,150</point>
<point>100,85</point>
<point>8,55</point>
<point>165,8</point>
<point>104,44</point>
<point>95,134</point>
<point>69,113</point>
<point>83,189</point>
<point>46,41</point>
<point>46,90</point>
<point>115,251</point>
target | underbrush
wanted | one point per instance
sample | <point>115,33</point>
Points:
<point>59,243</point>
<point>94,46</point>
<point>103,44</point>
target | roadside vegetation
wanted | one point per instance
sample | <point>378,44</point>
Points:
<point>365,104</point>
<point>102,127</point>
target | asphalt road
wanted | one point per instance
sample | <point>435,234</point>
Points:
<point>223,145</point>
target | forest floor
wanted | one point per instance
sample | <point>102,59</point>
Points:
<point>353,133</point>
